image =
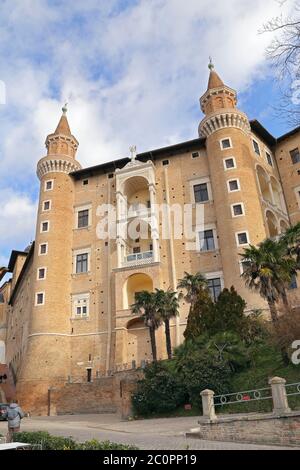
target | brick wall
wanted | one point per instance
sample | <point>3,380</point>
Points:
<point>256,429</point>
<point>103,395</point>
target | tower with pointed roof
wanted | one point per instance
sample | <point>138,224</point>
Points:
<point>238,212</point>
<point>48,344</point>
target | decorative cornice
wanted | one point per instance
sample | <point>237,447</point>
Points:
<point>223,119</point>
<point>56,165</point>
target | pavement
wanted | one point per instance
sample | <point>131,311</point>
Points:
<point>148,434</point>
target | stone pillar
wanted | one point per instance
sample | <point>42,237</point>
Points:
<point>208,405</point>
<point>280,401</point>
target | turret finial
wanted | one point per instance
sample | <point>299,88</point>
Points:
<point>211,65</point>
<point>65,108</point>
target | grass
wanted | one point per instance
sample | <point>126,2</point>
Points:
<point>266,363</point>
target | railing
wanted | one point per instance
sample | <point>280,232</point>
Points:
<point>138,259</point>
<point>278,392</point>
<point>243,397</point>
<point>295,389</point>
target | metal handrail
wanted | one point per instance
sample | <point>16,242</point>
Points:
<point>297,385</point>
<point>243,396</point>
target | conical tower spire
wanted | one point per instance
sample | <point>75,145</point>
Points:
<point>218,95</point>
<point>214,80</point>
<point>62,141</point>
<point>63,125</point>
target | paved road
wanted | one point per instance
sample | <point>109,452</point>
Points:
<point>150,434</point>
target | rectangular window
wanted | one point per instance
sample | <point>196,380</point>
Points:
<point>89,375</point>
<point>237,209</point>
<point>43,249</point>
<point>45,226</point>
<point>165,162</point>
<point>215,288</point>
<point>80,305</point>
<point>136,249</point>
<point>40,298</point>
<point>256,147</point>
<point>41,273</point>
<point>195,154</point>
<point>269,159</point>
<point>233,185</point>
<point>226,144</point>
<point>48,185</point>
<point>83,218</point>
<point>242,238</point>
<point>46,205</point>
<point>295,156</point>
<point>82,263</point>
<point>207,242</point>
<point>229,163</point>
<point>244,265</point>
<point>85,182</point>
<point>201,192</point>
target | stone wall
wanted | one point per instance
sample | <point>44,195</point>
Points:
<point>103,395</point>
<point>257,429</point>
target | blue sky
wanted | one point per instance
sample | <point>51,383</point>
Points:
<point>132,72</point>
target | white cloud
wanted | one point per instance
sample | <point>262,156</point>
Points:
<point>131,71</point>
<point>17,222</point>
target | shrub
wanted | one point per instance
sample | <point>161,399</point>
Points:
<point>200,370</point>
<point>160,391</point>
<point>49,442</point>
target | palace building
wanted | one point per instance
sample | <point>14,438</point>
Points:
<point>65,312</point>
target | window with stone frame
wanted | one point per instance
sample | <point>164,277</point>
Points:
<point>201,192</point>
<point>83,218</point>
<point>82,263</point>
<point>207,241</point>
<point>295,155</point>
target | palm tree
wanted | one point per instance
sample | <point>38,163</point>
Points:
<point>167,308</point>
<point>192,283</point>
<point>146,306</point>
<point>291,239</point>
<point>268,270</point>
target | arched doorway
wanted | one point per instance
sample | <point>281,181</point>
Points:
<point>135,283</point>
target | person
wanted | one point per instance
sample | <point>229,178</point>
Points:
<point>14,416</point>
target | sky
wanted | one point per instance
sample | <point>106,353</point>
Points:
<point>132,72</point>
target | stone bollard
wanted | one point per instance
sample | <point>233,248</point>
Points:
<point>208,405</point>
<point>280,401</point>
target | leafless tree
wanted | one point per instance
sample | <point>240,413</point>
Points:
<point>284,55</point>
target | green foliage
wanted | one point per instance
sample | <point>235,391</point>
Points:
<point>48,442</point>
<point>160,391</point>
<point>225,315</point>
<point>199,370</point>
<point>200,316</point>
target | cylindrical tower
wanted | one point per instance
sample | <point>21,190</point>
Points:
<point>47,359</point>
<point>239,215</point>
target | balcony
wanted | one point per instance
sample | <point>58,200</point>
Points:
<point>138,259</point>
<point>138,210</point>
